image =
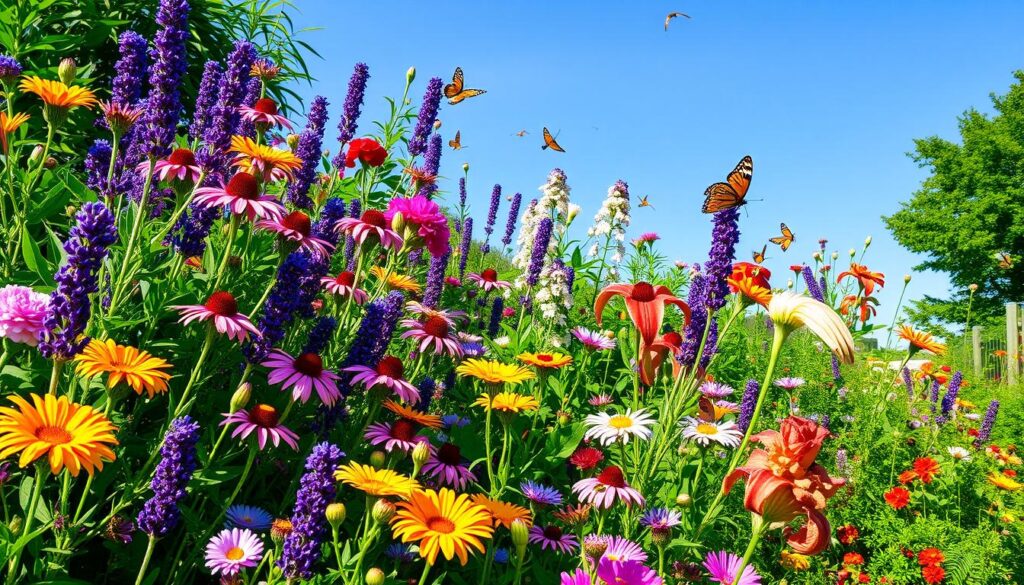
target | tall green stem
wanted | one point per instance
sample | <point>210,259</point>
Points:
<point>232,230</point>
<point>145,560</point>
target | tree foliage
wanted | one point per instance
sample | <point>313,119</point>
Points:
<point>969,210</point>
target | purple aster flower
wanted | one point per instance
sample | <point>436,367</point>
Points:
<point>435,280</point>
<point>163,105</point>
<point>540,251</point>
<point>10,69</point>
<point>350,110</point>
<point>206,99</point>
<point>178,460</point>
<point>68,314</point>
<point>431,165</point>
<point>748,404</point>
<point>279,310</point>
<point>715,390</point>
<point>425,120</point>
<point>553,537</point>
<point>661,519</point>
<point>813,288</point>
<point>908,382</point>
<point>309,524</point>
<point>952,390</point>
<point>492,216</point>
<point>986,425</point>
<point>722,567</point>
<point>467,240</point>
<point>309,150</point>
<point>126,89</point>
<point>513,214</point>
<point>541,494</point>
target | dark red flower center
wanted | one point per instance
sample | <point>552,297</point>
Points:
<point>297,221</point>
<point>182,156</point>
<point>612,476</point>
<point>243,185</point>
<point>264,415</point>
<point>642,292</point>
<point>552,533</point>
<point>391,367</point>
<point>265,106</point>
<point>374,218</point>
<point>346,279</point>
<point>449,454</point>
<point>489,275</point>
<point>222,303</point>
<point>545,357</point>
<point>309,364</point>
<point>673,338</point>
<point>436,326</point>
<point>403,429</point>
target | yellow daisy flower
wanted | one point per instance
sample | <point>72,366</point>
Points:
<point>396,281</point>
<point>508,402</point>
<point>376,482</point>
<point>58,95</point>
<point>262,160</point>
<point>494,372</point>
<point>794,561</point>
<point>1004,483</point>
<point>503,513</point>
<point>121,363</point>
<point>547,361</point>
<point>431,421</point>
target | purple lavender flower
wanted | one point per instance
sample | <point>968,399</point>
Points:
<point>934,394</point>
<point>284,300</point>
<point>540,251</point>
<point>309,284</point>
<point>189,235</point>
<point>131,69</point>
<point>908,382</point>
<point>97,164</point>
<point>320,335</point>
<point>309,524</point>
<point>462,192</point>
<point>425,120</point>
<point>355,209</point>
<point>160,514</point>
<point>513,214</point>
<point>427,387</point>
<point>843,463</point>
<point>253,89</point>
<point>323,228</point>
<point>206,99</point>
<point>431,165</point>
<point>467,240</point>
<point>694,331</point>
<point>986,425</point>
<point>224,115</point>
<point>10,69</point>
<point>952,390</point>
<point>68,314</point>
<point>309,150</point>
<point>163,106</point>
<point>837,374</point>
<point>394,305</point>
<point>747,404</point>
<point>717,269</point>
<point>813,288</point>
<point>497,311</point>
<point>350,110</point>
<point>492,216</point>
<point>435,280</point>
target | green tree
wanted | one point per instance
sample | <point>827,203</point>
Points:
<point>970,209</point>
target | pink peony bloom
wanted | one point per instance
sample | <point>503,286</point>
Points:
<point>424,216</point>
<point>22,312</point>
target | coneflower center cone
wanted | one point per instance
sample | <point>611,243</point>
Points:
<point>222,303</point>
<point>297,221</point>
<point>309,364</point>
<point>612,476</point>
<point>243,185</point>
<point>436,326</point>
<point>182,156</point>
<point>391,367</point>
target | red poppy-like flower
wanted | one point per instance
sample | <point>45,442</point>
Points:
<point>652,356</point>
<point>972,432</point>
<point>897,497</point>
<point>847,534</point>
<point>751,282</point>
<point>853,559</point>
<point>933,574</point>
<point>645,304</point>
<point>930,556</point>
<point>366,150</point>
<point>864,276</point>
<point>863,578</point>
<point>907,476</point>
<point>586,458</point>
<point>926,468</point>
<point>1009,473</point>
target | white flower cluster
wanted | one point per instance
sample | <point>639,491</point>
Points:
<point>553,203</point>
<point>527,233</point>
<point>553,299</point>
<point>610,223</point>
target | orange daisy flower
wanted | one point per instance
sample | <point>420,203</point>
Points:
<point>545,361</point>
<point>503,513</point>
<point>926,468</point>
<point>266,161</point>
<point>58,95</point>
<point>920,340</point>
<point>9,126</point>
<point>431,421</point>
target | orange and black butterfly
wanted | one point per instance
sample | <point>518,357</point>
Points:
<point>759,256</point>
<point>706,409</point>
<point>454,91</point>
<point>549,142</point>
<point>521,133</point>
<point>785,240</point>
<point>730,194</point>
<point>645,203</point>
<point>456,144</point>
<point>1005,260</point>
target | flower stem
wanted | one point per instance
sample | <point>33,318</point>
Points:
<point>145,560</point>
<point>232,230</point>
<point>183,402</point>
<point>423,577</point>
<point>58,367</point>
<point>30,516</point>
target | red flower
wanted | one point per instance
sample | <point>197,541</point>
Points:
<point>644,303</point>
<point>366,150</point>
<point>930,556</point>
<point>847,534</point>
<point>1009,473</point>
<point>926,468</point>
<point>897,497</point>
<point>933,574</point>
<point>863,578</point>
<point>972,432</point>
<point>907,476</point>
<point>751,282</point>
<point>853,559</point>
<point>863,304</point>
<point>586,458</point>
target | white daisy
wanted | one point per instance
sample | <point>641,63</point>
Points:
<point>959,453</point>
<point>608,428</point>
<point>704,432</point>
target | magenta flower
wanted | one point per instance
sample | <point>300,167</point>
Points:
<point>646,238</point>
<point>389,373</point>
<point>296,227</point>
<point>302,375</point>
<point>265,421</point>
<point>631,572</point>
<point>400,435</point>
<point>233,549</point>
<point>605,489</point>
<point>222,308</point>
<point>453,318</point>
<point>599,400</point>
<point>264,112</point>
<point>488,280</point>
<point>371,226</point>
<point>424,217</point>
<point>623,549</point>
<point>241,195</point>
<point>722,567</point>
<point>552,537</point>
<point>436,331</point>
<point>580,577</point>
<point>448,467</point>
<point>22,312</point>
<point>180,165</point>
<point>343,286</point>
<point>452,281</point>
<point>593,340</point>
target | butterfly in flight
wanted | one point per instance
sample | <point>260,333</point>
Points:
<point>672,15</point>
<point>759,256</point>
<point>456,144</point>
<point>454,91</point>
<point>521,133</point>
<point>549,142</point>
<point>785,239</point>
<point>645,203</point>
<point>1005,260</point>
<point>722,196</point>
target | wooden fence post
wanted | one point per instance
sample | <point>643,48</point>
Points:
<point>1012,346</point>
<point>976,346</point>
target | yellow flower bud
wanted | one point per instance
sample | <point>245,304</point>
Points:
<point>240,399</point>
<point>867,241</point>
<point>465,167</point>
<point>410,75</point>
<point>293,141</point>
<point>437,124</point>
<point>67,70</point>
<point>684,500</point>
<point>335,513</point>
<point>906,278</point>
<point>375,577</point>
<point>520,535</point>
<point>377,459</point>
<point>383,511</point>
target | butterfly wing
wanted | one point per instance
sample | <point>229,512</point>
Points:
<point>466,94</point>
<point>759,256</point>
<point>1005,260</point>
<point>785,240</point>
<point>455,87</point>
<point>722,196</point>
<point>549,142</point>
<point>706,409</point>
<point>457,142</point>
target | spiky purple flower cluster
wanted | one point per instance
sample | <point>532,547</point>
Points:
<point>284,300</point>
<point>126,89</point>
<point>309,150</point>
<point>323,228</point>
<point>747,404</point>
<point>497,311</point>
<point>355,210</point>
<point>717,269</point>
<point>178,461</point>
<point>467,240</point>
<point>908,382</point>
<point>540,251</point>
<point>188,237</point>
<point>170,64</point>
<point>224,115</point>
<point>309,524</point>
<point>952,390</point>
<point>427,115</point>
<point>206,99</point>
<point>435,280</point>
<point>350,111</point>
<point>813,288</point>
<point>694,332</point>
<point>320,335</point>
<point>985,432</point>
<point>253,89</point>
<point>427,387</point>
<point>513,215</point>
<point>431,166</point>
<point>10,69</point>
<point>492,217</point>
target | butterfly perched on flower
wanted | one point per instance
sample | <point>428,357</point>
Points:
<point>1005,260</point>
<point>730,194</point>
<point>455,91</point>
<point>759,256</point>
<point>456,144</point>
<point>549,142</point>
<point>785,240</point>
<point>645,203</point>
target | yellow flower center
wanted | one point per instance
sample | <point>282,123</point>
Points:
<point>53,435</point>
<point>441,524</point>
<point>234,554</point>
<point>620,422</point>
<point>707,429</point>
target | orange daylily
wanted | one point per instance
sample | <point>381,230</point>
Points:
<point>654,354</point>
<point>751,282</point>
<point>864,306</point>
<point>864,276</point>
<point>645,304</point>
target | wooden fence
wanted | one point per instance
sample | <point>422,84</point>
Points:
<point>996,355</point>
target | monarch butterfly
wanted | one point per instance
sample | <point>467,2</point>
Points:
<point>549,142</point>
<point>722,196</point>
<point>454,91</point>
<point>1005,260</point>
<point>759,256</point>
<point>645,203</point>
<point>785,239</point>
<point>457,143</point>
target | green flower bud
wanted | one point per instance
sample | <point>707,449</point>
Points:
<point>240,399</point>
<point>377,459</point>
<point>66,70</point>
<point>293,141</point>
<point>465,167</point>
<point>420,455</point>
<point>520,535</point>
<point>684,500</point>
<point>383,511</point>
<point>375,577</point>
<point>410,75</point>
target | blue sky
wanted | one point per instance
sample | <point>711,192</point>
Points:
<point>827,97</point>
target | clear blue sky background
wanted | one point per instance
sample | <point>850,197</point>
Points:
<point>827,97</point>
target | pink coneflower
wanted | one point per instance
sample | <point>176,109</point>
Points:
<point>632,572</point>
<point>593,340</point>
<point>715,390</point>
<point>580,577</point>
<point>488,280</point>
<point>609,485</point>
<point>343,286</point>
<point>722,567</point>
<point>222,308</point>
<point>296,227</point>
<point>436,331</point>
<point>646,238</point>
<point>552,537</point>
<point>265,421</point>
<point>180,165</point>
<point>264,112</point>
<point>120,117</point>
<point>302,374</point>
<point>241,195</point>
<point>599,400</point>
<point>453,318</point>
<point>447,465</point>
<point>400,435</point>
<point>372,224</point>
<point>390,373</point>
<point>22,314</point>
<point>232,550</point>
